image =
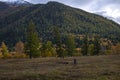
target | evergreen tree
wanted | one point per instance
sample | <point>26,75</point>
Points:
<point>58,42</point>
<point>32,44</point>
<point>70,45</point>
<point>57,37</point>
<point>84,48</point>
<point>96,46</point>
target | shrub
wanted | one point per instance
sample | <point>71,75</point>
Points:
<point>17,55</point>
<point>7,55</point>
<point>1,56</point>
<point>12,55</point>
<point>108,52</point>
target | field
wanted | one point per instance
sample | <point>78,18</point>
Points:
<point>87,68</point>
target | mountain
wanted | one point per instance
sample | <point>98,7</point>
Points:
<point>8,7</point>
<point>18,3</point>
<point>53,14</point>
<point>3,6</point>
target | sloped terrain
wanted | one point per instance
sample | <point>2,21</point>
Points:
<point>53,14</point>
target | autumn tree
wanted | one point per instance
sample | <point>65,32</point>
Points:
<point>47,50</point>
<point>32,42</point>
<point>62,52</point>
<point>91,49</point>
<point>50,48</point>
<point>4,48</point>
<point>19,47</point>
<point>116,49</point>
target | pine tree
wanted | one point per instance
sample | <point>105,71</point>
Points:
<point>32,44</point>
<point>57,37</point>
<point>70,45</point>
<point>58,42</point>
<point>96,46</point>
<point>84,48</point>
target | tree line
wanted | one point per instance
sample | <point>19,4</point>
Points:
<point>34,47</point>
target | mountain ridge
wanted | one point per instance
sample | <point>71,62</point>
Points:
<point>16,3</point>
<point>24,2</point>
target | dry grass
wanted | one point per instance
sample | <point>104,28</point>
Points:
<point>88,68</point>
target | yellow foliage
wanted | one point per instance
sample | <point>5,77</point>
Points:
<point>116,49</point>
<point>19,47</point>
<point>108,52</point>
<point>12,55</point>
<point>1,56</point>
<point>17,55</point>
<point>77,54</point>
<point>49,54</point>
<point>46,54</point>
<point>7,55</point>
<point>4,49</point>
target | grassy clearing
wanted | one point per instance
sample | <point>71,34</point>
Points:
<point>88,68</point>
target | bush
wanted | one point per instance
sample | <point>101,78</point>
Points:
<point>108,52</point>
<point>1,56</point>
<point>7,55</point>
<point>17,55</point>
<point>12,55</point>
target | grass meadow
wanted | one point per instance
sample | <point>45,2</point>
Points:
<point>87,68</point>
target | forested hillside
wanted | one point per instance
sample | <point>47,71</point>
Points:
<point>53,14</point>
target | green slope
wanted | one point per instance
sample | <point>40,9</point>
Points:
<point>53,14</point>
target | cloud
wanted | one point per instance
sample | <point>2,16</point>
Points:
<point>100,4</point>
<point>79,2</point>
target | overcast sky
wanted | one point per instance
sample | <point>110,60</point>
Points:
<point>105,7</point>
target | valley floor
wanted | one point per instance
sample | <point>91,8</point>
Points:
<point>87,68</point>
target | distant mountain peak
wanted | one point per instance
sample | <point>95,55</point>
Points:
<point>53,2</point>
<point>17,2</point>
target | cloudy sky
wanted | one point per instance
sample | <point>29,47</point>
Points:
<point>110,8</point>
